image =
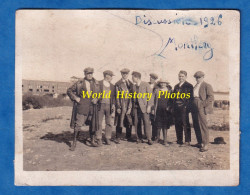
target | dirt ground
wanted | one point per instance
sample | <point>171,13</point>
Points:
<point>47,138</point>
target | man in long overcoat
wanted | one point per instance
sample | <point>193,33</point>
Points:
<point>84,109</point>
<point>123,106</point>
<point>153,84</point>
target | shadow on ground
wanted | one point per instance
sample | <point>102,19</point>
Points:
<point>67,137</point>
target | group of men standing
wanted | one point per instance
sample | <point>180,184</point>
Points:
<point>135,111</point>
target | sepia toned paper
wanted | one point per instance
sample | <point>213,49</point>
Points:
<point>53,47</point>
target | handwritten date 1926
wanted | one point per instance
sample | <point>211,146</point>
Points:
<point>206,21</point>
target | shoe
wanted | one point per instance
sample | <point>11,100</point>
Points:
<point>138,141</point>
<point>197,145</point>
<point>203,149</point>
<point>127,138</point>
<point>73,147</point>
<point>185,144</point>
<point>150,142</point>
<point>99,142</point>
<point>117,140</point>
<point>93,143</point>
<point>108,142</point>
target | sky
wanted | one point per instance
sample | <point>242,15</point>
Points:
<point>55,45</point>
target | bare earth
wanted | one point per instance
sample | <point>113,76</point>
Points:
<point>47,138</point>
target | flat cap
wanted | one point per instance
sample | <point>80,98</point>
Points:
<point>153,76</point>
<point>125,70</point>
<point>136,74</point>
<point>108,72</point>
<point>199,74</point>
<point>88,70</point>
<point>163,81</point>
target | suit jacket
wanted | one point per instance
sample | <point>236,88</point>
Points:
<point>143,103</point>
<point>206,96</point>
<point>112,96</point>
<point>84,106</point>
<point>122,103</point>
<point>186,88</point>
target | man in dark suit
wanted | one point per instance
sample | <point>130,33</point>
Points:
<point>202,105</point>
<point>141,107</point>
<point>123,106</point>
<point>182,107</point>
<point>84,109</point>
<point>152,83</point>
<point>106,106</point>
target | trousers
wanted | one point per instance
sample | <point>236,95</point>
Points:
<point>138,118</point>
<point>200,122</point>
<point>104,111</point>
<point>182,124</point>
<point>80,121</point>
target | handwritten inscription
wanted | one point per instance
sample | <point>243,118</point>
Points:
<point>204,22</point>
<point>203,47</point>
<point>184,21</point>
<point>211,21</point>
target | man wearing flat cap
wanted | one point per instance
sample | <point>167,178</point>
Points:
<point>84,109</point>
<point>123,106</point>
<point>106,106</point>
<point>153,84</point>
<point>182,108</point>
<point>202,105</point>
<point>141,107</point>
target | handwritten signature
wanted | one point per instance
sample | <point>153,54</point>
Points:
<point>194,44</point>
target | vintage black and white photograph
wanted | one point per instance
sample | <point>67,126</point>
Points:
<point>127,97</point>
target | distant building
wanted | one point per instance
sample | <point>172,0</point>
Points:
<point>74,79</point>
<point>45,87</point>
<point>218,95</point>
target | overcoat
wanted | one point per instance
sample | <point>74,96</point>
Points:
<point>84,106</point>
<point>169,104</point>
<point>122,103</point>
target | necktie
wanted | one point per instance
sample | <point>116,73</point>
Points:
<point>196,92</point>
<point>127,84</point>
<point>195,87</point>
